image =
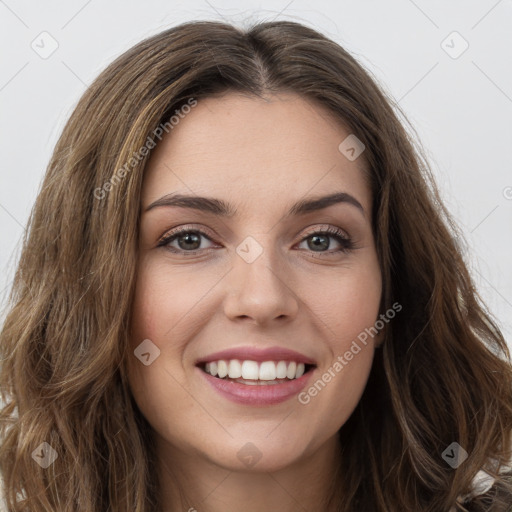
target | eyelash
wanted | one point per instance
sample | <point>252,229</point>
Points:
<point>346,243</point>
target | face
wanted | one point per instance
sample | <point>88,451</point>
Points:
<point>259,279</point>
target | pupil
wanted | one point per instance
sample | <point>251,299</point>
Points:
<point>316,242</point>
<point>190,238</point>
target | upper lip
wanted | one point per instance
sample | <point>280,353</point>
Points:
<point>257,354</point>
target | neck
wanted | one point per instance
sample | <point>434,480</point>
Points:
<point>195,484</point>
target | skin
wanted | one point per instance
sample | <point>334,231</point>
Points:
<point>262,156</point>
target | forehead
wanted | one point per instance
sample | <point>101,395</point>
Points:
<point>245,147</point>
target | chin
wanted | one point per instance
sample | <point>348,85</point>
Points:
<point>259,453</point>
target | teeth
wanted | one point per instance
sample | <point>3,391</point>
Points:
<point>252,370</point>
<point>222,369</point>
<point>268,371</point>
<point>292,370</point>
<point>235,369</point>
<point>281,370</point>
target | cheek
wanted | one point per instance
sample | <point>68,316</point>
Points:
<point>342,375</point>
<point>347,303</point>
<point>338,388</point>
<point>348,308</point>
<point>165,302</point>
<point>159,314</point>
<point>169,309</point>
<point>355,310</point>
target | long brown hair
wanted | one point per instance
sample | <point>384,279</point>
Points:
<point>443,374</point>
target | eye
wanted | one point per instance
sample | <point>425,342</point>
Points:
<point>319,241</point>
<point>187,239</point>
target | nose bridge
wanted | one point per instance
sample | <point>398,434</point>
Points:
<point>258,284</point>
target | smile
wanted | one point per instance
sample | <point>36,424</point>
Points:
<point>256,377</point>
<point>252,372</point>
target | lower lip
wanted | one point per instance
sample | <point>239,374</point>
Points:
<point>259,394</point>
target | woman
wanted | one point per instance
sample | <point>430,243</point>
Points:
<point>240,291</point>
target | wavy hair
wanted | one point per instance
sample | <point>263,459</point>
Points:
<point>443,374</point>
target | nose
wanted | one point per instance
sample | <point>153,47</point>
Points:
<point>260,291</point>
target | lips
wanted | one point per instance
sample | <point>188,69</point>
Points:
<point>257,354</point>
<point>256,376</point>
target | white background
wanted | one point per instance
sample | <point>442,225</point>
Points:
<point>461,107</point>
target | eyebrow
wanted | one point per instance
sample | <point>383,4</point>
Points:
<point>224,209</point>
